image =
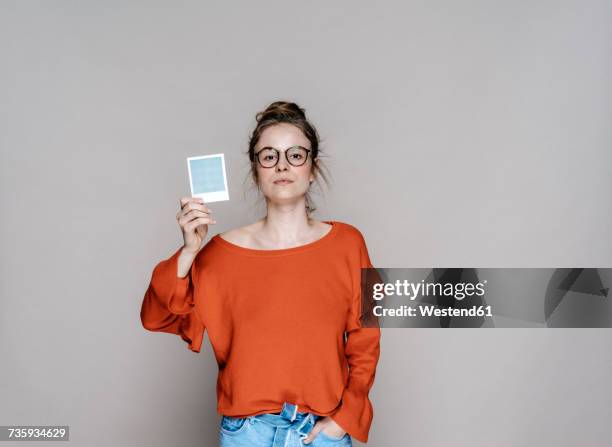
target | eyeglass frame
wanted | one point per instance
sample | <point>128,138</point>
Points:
<point>256,156</point>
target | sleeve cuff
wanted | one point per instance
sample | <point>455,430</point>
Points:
<point>191,331</point>
<point>354,414</point>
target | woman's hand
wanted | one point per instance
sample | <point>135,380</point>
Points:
<point>329,426</point>
<point>193,218</point>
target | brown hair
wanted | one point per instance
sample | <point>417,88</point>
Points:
<point>288,112</point>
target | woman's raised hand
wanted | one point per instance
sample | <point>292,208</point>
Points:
<point>193,218</point>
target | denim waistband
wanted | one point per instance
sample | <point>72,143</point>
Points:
<point>288,419</point>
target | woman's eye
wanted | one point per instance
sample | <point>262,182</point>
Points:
<point>297,156</point>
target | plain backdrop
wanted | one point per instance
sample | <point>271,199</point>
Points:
<point>458,134</point>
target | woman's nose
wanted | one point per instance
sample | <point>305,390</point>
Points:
<point>282,165</point>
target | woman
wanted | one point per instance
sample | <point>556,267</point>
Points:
<point>278,298</point>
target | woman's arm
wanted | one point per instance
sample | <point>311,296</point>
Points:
<point>362,351</point>
<point>168,304</point>
<point>185,260</point>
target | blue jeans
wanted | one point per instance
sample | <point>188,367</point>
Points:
<point>286,429</point>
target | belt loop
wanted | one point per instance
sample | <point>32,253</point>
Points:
<point>289,411</point>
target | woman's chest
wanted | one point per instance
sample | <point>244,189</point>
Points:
<point>301,294</point>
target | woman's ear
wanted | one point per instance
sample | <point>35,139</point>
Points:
<point>315,162</point>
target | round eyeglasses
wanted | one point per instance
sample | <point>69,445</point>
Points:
<point>268,157</point>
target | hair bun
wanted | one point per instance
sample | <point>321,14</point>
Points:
<point>282,109</point>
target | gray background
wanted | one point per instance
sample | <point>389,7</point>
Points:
<point>473,133</point>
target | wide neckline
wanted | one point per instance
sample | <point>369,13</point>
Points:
<point>280,251</point>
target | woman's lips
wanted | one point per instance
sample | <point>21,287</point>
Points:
<point>282,182</point>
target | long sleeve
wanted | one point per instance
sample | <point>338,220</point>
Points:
<point>168,304</point>
<point>362,350</point>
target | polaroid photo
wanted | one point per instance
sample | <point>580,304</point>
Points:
<point>207,177</point>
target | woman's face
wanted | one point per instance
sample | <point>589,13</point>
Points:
<point>283,136</point>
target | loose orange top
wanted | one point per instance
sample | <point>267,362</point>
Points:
<point>277,321</point>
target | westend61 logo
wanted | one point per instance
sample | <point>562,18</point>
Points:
<point>414,290</point>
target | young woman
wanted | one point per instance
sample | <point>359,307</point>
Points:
<point>280,299</point>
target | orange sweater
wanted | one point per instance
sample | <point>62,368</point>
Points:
<point>276,320</point>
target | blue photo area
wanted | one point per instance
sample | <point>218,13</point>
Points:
<point>207,175</point>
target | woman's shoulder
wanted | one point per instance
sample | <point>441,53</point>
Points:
<point>350,230</point>
<point>240,235</point>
